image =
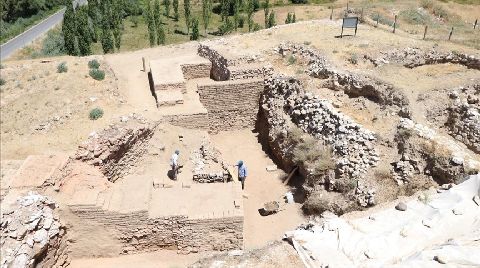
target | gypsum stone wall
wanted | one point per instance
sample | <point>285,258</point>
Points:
<point>32,234</point>
<point>117,147</point>
<point>414,57</point>
<point>192,121</point>
<point>424,151</point>
<point>250,71</point>
<point>221,64</point>
<point>285,103</point>
<point>139,233</point>
<point>352,84</point>
<point>231,104</point>
<point>464,116</point>
<point>181,86</point>
<point>199,70</point>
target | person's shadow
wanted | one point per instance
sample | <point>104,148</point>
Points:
<point>170,174</point>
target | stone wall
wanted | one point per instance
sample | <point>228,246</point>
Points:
<point>139,233</point>
<point>116,148</point>
<point>192,121</point>
<point>231,104</point>
<point>199,70</point>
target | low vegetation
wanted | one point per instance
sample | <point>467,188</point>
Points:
<point>93,64</point>
<point>95,113</point>
<point>62,67</point>
<point>97,74</point>
<point>2,82</point>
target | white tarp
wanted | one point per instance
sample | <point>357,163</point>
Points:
<point>446,227</point>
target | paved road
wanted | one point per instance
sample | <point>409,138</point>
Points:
<point>30,35</point>
<point>34,32</point>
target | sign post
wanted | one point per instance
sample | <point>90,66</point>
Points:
<point>351,23</point>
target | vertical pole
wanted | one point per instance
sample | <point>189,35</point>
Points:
<point>450,35</point>
<point>341,35</point>
<point>361,16</point>
<point>347,6</point>
<point>331,14</point>
<point>143,60</point>
<point>395,24</point>
<point>475,24</point>
<point>377,20</point>
<point>425,32</point>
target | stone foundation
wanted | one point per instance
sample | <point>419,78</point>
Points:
<point>139,233</point>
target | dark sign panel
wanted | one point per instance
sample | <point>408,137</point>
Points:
<point>350,23</point>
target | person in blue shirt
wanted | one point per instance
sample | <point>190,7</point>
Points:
<point>242,173</point>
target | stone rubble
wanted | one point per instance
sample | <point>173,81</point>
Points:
<point>412,57</point>
<point>117,147</point>
<point>208,166</point>
<point>353,146</point>
<point>351,83</point>
<point>32,234</point>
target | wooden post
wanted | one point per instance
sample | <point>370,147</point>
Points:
<point>395,24</point>
<point>331,14</point>
<point>361,15</point>
<point>475,24</point>
<point>144,68</point>
<point>290,176</point>
<point>450,35</point>
<point>378,15</point>
<point>347,6</point>
<point>425,32</point>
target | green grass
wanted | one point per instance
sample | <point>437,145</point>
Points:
<point>10,30</point>
<point>413,16</point>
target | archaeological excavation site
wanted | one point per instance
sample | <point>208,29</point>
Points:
<point>365,161</point>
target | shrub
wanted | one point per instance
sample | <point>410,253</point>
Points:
<point>195,31</point>
<point>311,153</point>
<point>53,45</point>
<point>93,64</point>
<point>226,27</point>
<point>256,27</point>
<point>62,68</point>
<point>2,81</point>
<point>353,59</point>
<point>427,4</point>
<point>291,60</point>
<point>95,113</point>
<point>241,21</point>
<point>299,1</point>
<point>97,74</point>
<point>440,12</point>
<point>256,5</point>
<point>413,16</point>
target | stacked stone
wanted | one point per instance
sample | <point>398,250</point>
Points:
<point>208,166</point>
<point>115,148</point>
<point>464,116</point>
<point>414,57</point>
<point>285,103</point>
<point>32,233</point>
<point>352,144</point>
<point>352,84</point>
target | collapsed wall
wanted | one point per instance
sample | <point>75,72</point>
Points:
<point>116,148</point>
<point>415,57</point>
<point>140,233</point>
<point>32,234</point>
<point>285,105</point>
<point>352,84</point>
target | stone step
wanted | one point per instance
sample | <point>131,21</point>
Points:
<point>169,97</point>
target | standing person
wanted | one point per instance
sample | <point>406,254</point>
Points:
<point>174,164</point>
<point>242,173</point>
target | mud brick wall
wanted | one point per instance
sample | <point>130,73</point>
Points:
<point>231,104</point>
<point>139,233</point>
<point>200,70</point>
<point>193,121</point>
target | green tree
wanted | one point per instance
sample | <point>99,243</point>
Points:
<point>187,7</point>
<point>94,15</point>
<point>250,10</point>
<point>195,32</point>
<point>266,9</point>
<point>225,8</point>
<point>150,23</point>
<point>206,13</point>
<point>117,22</point>
<point>167,7</point>
<point>271,19</point>
<point>175,9</point>
<point>236,13</point>
<point>83,31</point>
<point>69,29</point>
<point>106,35</point>
<point>158,23</point>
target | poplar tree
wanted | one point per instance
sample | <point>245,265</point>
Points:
<point>117,22</point>
<point>83,32</point>
<point>271,20</point>
<point>106,35</point>
<point>167,7</point>
<point>195,32</point>
<point>206,13</point>
<point>236,13</point>
<point>94,15</point>
<point>150,24</point>
<point>175,9</point>
<point>68,29</point>
<point>266,7</point>
<point>250,10</point>
<point>225,9</point>
<point>187,8</point>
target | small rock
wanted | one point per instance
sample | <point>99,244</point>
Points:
<point>401,206</point>
<point>458,211</point>
<point>457,161</point>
